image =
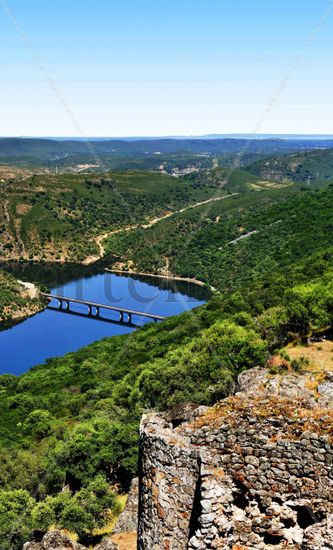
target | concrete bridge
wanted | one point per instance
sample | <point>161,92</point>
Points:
<point>94,309</point>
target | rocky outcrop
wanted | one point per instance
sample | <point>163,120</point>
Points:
<point>128,519</point>
<point>254,472</point>
<point>56,540</point>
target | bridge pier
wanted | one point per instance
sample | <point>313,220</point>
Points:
<point>63,304</point>
<point>94,309</point>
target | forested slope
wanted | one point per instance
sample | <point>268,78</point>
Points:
<point>234,242</point>
<point>73,422</point>
<point>58,217</point>
<point>69,427</point>
<point>305,166</point>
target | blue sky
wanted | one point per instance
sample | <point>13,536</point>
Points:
<point>165,67</point>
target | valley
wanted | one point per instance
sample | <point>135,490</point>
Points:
<point>59,217</point>
<point>261,245</point>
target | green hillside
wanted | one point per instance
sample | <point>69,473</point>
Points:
<point>232,242</point>
<point>73,422</point>
<point>32,151</point>
<point>307,166</point>
<point>59,217</point>
<point>69,427</point>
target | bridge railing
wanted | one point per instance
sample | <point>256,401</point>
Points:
<point>98,306</point>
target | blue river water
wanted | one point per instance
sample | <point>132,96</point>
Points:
<point>52,333</point>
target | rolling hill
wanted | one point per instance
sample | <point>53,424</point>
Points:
<point>59,217</point>
<point>306,166</point>
<point>41,150</point>
<point>235,242</point>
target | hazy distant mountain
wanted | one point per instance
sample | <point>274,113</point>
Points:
<point>43,149</point>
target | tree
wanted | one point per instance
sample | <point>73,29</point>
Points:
<point>15,518</point>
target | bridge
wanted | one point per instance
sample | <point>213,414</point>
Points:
<point>94,309</point>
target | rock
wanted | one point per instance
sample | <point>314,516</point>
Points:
<point>319,536</point>
<point>325,391</point>
<point>56,540</point>
<point>106,545</point>
<point>294,534</point>
<point>128,519</point>
<point>251,380</point>
<point>244,473</point>
<point>183,412</point>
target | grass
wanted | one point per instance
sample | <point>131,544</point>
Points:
<point>111,523</point>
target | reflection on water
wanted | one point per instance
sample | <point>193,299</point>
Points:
<point>54,275</point>
<point>51,333</point>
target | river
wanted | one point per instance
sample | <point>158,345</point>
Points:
<point>52,333</point>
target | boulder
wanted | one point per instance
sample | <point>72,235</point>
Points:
<point>56,540</point>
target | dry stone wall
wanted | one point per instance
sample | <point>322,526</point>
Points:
<point>255,472</point>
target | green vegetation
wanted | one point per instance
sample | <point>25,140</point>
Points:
<point>73,422</point>
<point>59,217</point>
<point>307,166</point>
<point>233,243</point>
<point>69,427</point>
<point>15,301</point>
<point>49,152</point>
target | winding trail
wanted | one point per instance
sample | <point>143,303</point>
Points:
<point>99,240</point>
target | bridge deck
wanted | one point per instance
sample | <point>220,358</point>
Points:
<point>103,306</point>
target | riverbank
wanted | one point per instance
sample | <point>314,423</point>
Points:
<point>168,277</point>
<point>53,333</point>
<point>18,299</point>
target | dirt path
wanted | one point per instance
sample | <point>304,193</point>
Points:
<point>99,240</point>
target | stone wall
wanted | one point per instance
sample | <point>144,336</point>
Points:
<point>254,472</point>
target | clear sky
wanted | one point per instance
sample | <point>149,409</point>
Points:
<point>165,67</point>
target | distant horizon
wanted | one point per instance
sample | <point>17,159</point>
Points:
<point>258,136</point>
